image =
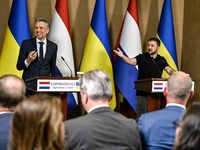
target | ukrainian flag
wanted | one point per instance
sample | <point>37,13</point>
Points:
<point>17,30</point>
<point>97,53</point>
<point>166,35</point>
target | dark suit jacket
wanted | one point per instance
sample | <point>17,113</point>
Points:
<point>157,128</point>
<point>102,129</point>
<point>5,121</point>
<point>45,68</point>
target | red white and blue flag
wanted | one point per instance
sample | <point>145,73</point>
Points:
<point>158,86</point>
<point>44,85</point>
<point>130,43</point>
<point>60,34</point>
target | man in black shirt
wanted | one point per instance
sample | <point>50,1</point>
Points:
<point>150,65</point>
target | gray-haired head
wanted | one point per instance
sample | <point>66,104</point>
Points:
<point>43,20</point>
<point>179,85</point>
<point>97,84</point>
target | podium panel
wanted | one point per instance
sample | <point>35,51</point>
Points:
<point>154,88</point>
<point>59,85</point>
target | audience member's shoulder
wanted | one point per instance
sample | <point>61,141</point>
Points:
<point>75,121</point>
<point>154,115</point>
<point>150,115</point>
<point>125,119</point>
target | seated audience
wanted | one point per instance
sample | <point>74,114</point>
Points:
<point>12,92</point>
<point>157,128</point>
<point>188,130</point>
<point>102,128</point>
<point>37,124</point>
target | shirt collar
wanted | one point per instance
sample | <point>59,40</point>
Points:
<point>45,41</point>
<point>6,112</point>
<point>147,54</point>
<point>98,106</point>
<point>175,104</point>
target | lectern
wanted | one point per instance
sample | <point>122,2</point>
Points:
<point>154,88</point>
<point>59,85</point>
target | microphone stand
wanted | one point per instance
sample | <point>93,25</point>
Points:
<point>157,67</point>
<point>67,65</point>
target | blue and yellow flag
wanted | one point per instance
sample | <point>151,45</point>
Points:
<point>17,31</point>
<point>97,53</point>
<point>166,35</point>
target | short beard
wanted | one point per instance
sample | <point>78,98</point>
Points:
<point>153,53</point>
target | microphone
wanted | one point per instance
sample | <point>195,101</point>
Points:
<point>67,65</point>
<point>157,67</point>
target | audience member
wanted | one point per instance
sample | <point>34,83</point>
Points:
<point>37,124</point>
<point>188,131</point>
<point>12,92</point>
<point>101,128</point>
<point>157,128</point>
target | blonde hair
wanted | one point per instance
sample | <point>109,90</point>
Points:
<point>37,124</point>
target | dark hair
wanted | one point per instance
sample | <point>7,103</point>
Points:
<point>188,135</point>
<point>12,91</point>
<point>156,40</point>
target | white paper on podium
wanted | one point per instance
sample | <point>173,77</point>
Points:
<point>57,85</point>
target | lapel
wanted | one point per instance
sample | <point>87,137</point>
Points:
<point>33,44</point>
<point>47,49</point>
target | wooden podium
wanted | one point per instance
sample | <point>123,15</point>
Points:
<point>154,88</point>
<point>58,85</point>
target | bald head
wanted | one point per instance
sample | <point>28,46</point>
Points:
<point>12,91</point>
<point>179,85</point>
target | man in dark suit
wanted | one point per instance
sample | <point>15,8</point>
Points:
<point>37,56</point>
<point>102,128</point>
<point>12,92</point>
<point>157,129</point>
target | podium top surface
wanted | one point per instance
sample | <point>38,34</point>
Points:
<point>151,79</point>
<point>153,85</point>
<point>47,77</point>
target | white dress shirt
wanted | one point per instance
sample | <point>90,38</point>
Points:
<point>38,49</point>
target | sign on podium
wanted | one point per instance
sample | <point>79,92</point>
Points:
<point>59,85</point>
